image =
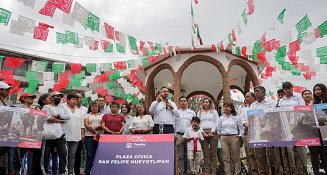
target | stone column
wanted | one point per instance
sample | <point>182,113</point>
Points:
<point>226,86</point>
<point>177,87</point>
<point>247,84</point>
<point>150,94</point>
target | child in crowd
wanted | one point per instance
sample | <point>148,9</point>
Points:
<point>194,151</point>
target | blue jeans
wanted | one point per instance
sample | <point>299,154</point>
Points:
<point>91,148</point>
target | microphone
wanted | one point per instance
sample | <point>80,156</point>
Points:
<point>166,99</point>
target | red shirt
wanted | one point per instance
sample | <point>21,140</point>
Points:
<point>113,122</point>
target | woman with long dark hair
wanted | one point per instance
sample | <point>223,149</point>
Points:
<point>319,97</point>
<point>125,110</point>
<point>231,130</point>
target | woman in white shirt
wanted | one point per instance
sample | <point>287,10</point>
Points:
<point>142,123</point>
<point>209,118</point>
<point>73,134</point>
<point>231,130</point>
<point>92,123</point>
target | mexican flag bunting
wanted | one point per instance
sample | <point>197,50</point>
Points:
<point>41,32</point>
<point>93,22</point>
<point>61,38</point>
<point>4,16</point>
<point>281,16</point>
<point>80,14</point>
<point>110,31</point>
<point>245,18</point>
<point>250,6</point>
<point>303,24</point>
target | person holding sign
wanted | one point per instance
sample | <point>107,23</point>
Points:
<point>142,123</point>
<point>294,153</point>
<point>113,123</point>
<point>165,112</point>
<point>231,132</point>
<point>194,151</point>
<point>319,97</point>
<point>261,153</point>
<point>92,123</point>
<point>209,117</point>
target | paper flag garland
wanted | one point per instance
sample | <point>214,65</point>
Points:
<point>41,32</point>
<point>58,68</point>
<point>303,24</point>
<point>93,22</point>
<point>80,14</point>
<point>110,31</point>
<point>4,16</point>
<point>245,18</point>
<point>281,16</point>
<point>39,66</point>
<point>12,62</point>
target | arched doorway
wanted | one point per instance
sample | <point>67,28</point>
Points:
<point>164,71</point>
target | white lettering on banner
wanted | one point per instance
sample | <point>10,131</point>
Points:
<point>133,161</point>
<point>124,156</point>
<point>143,156</point>
<point>131,138</point>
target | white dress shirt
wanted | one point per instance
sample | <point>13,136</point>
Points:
<point>55,110</point>
<point>163,115</point>
<point>139,123</point>
<point>230,125</point>
<point>73,125</point>
<point>209,119</point>
<point>291,102</point>
<point>184,120</point>
<point>243,114</point>
<point>127,124</point>
<point>265,104</point>
<point>83,110</point>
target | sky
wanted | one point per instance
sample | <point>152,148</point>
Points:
<point>166,21</point>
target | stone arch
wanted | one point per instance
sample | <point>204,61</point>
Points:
<point>204,58</point>
<point>248,69</point>
<point>150,96</point>
<point>201,92</point>
<point>220,95</point>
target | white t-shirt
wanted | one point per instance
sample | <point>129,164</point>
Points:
<point>190,133</point>
<point>94,121</point>
<point>74,125</point>
<point>141,124</point>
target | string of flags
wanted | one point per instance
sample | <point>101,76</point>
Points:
<point>282,48</point>
<point>110,79</point>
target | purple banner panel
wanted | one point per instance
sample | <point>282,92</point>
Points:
<point>135,154</point>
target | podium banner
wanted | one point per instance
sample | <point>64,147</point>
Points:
<point>321,113</point>
<point>21,127</point>
<point>282,127</point>
<point>135,154</point>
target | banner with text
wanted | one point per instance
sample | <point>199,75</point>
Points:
<point>134,154</point>
<point>321,113</point>
<point>282,127</point>
<point>21,127</point>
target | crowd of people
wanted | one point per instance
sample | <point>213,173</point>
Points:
<point>201,137</point>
